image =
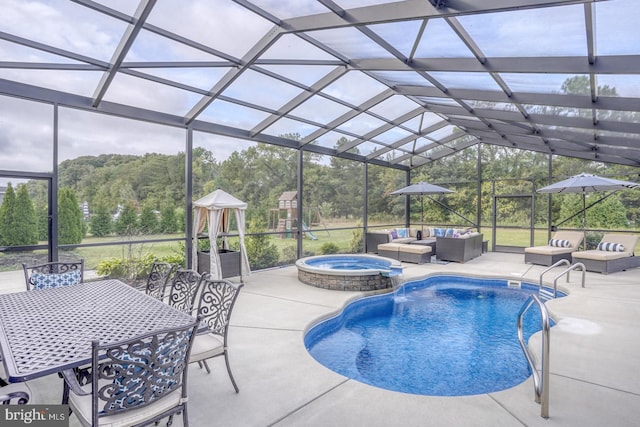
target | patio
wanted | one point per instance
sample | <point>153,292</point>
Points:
<point>594,358</point>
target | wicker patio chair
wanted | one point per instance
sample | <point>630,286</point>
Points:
<point>158,277</point>
<point>138,381</point>
<point>53,274</point>
<point>215,305</point>
<point>184,289</point>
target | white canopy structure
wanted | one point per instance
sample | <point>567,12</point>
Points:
<point>214,210</point>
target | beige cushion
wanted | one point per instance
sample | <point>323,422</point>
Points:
<point>415,249</point>
<point>629,241</point>
<point>600,255</point>
<point>548,250</point>
<point>390,246</point>
<point>404,240</point>
<point>206,346</point>
<point>81,406</point>
<point>574,238</point>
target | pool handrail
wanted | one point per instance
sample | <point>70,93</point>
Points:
<point>579,265</point>
<point>540,381</point>
<point>562,261</point>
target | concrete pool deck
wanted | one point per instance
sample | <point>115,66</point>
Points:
<point>595,360</point>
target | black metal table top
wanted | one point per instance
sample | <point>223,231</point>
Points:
<point>46,331</point>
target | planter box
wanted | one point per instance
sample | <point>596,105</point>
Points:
<point>229,262</point>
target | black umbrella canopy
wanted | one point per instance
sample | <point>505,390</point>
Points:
<point>587,183</point>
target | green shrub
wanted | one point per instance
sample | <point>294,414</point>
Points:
<point>593,238</point>
<point>356,245</point>
<point>261,251</point>
<point>329,248</point>
<point>131,270</point>
<point>289,255</point>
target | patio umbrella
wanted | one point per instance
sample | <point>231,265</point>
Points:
<point>586,183</point>
<point>421,189</point>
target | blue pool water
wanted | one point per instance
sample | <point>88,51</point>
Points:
<point>442,336</point>
<point>353,263</point>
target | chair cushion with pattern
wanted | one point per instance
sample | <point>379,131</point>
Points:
<point>559,243</point>
<point>47,281</point>
<point>129,381</point>
<point>610,247</point>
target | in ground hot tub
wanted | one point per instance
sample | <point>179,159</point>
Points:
<point>357,272</point>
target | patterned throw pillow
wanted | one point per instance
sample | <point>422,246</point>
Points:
<point>559,243</point>
<point>402,233</point>
<point>47,281</point>
<point>610,247</point>
<point>449,232</point>
<point>439,232</point>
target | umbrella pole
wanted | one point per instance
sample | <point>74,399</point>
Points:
<point>584,221</point>
<point>421,215</point>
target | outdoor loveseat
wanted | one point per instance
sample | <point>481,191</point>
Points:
<point>451,244</point>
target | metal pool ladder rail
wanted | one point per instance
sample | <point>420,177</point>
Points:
<point>540,377</point>
<point>546,294</point>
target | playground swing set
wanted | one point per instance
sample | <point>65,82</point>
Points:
<point>284,218</point>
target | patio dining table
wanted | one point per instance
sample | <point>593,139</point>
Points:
<point>50,330</point>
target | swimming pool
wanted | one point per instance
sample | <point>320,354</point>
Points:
<point>441,336</point>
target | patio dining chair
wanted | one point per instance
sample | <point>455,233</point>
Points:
<point>216,302</point>
<point>15,393</point>
<point>184,289</point>
<point>137,381</point>
<point>53,274</point>
<point>157,280</point>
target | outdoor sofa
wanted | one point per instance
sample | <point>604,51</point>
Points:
<point>373,238</point>
<point>561,246</point>
<point>451,244</point>
<point>615,252</point>
<point>460,248</point>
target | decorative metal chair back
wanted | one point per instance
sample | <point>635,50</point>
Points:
<point>53,274</point>
<point>184,288</point>
<point>139,372</point>
<point>217,298</point>
<point>158,277</point>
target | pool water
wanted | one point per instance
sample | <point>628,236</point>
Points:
<point>348,263</point>
<point>442,336</point>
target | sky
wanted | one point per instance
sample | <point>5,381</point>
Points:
<point>25,139</point>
